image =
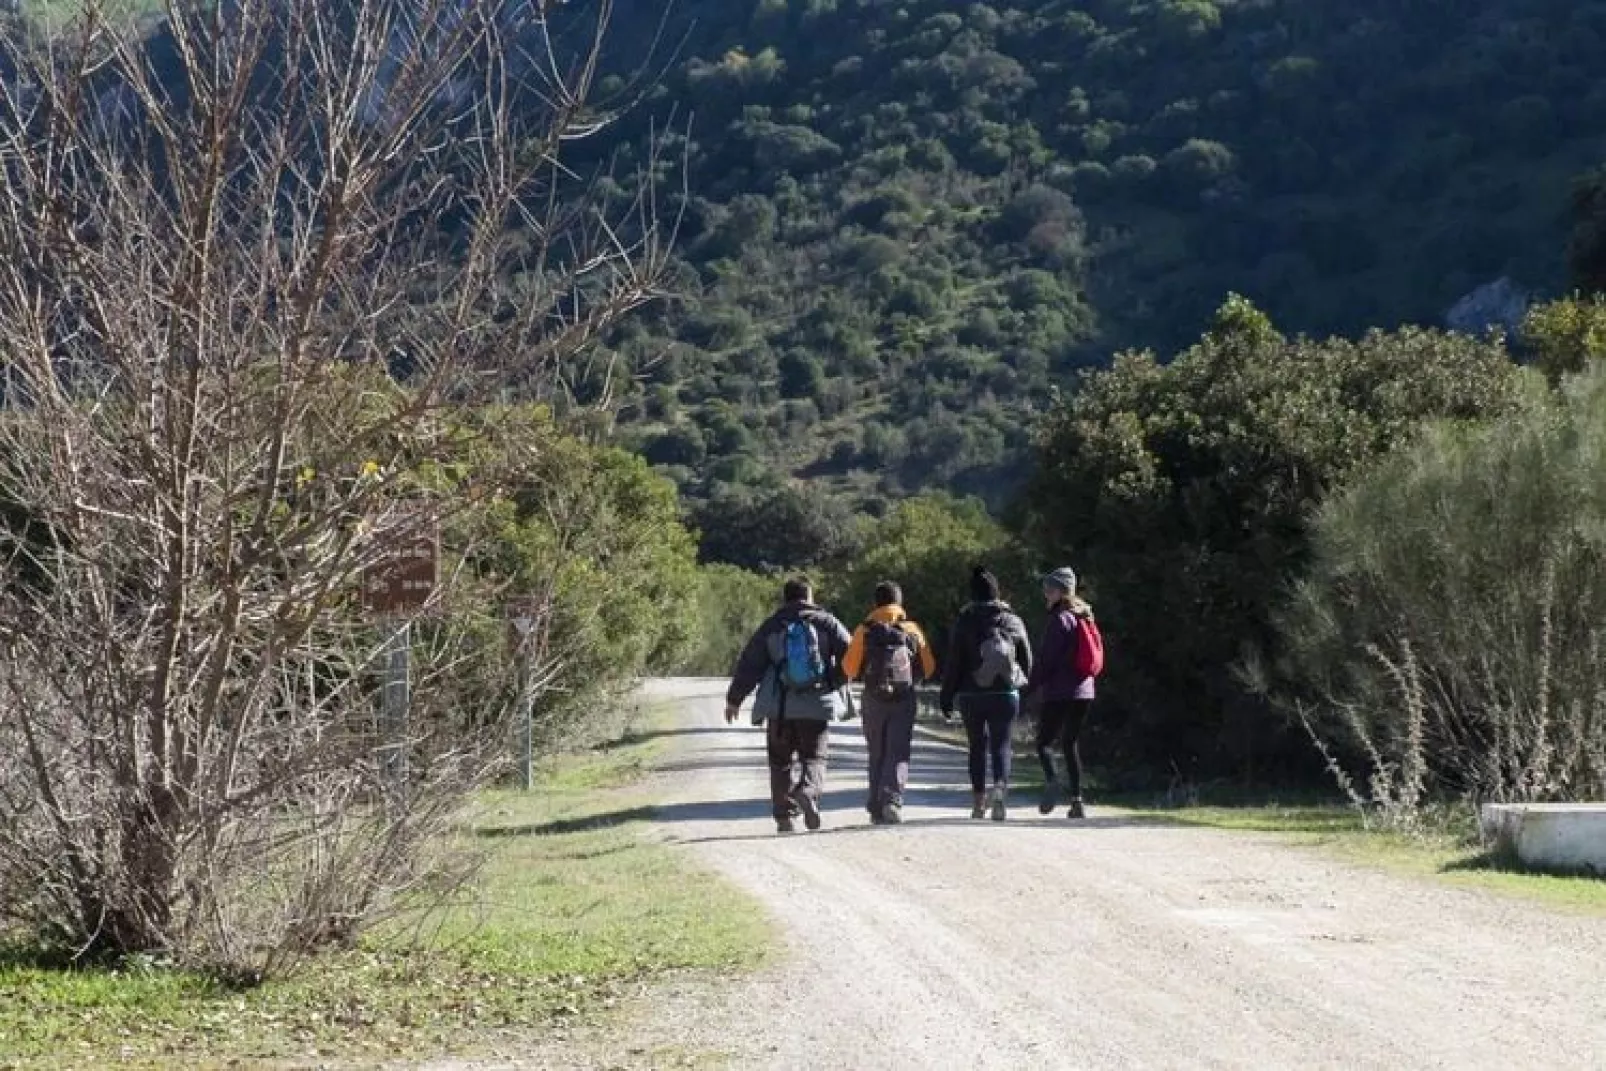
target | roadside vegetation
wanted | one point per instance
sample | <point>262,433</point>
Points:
<point>571,913</point>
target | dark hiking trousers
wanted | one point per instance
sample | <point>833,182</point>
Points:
<point>989,719</point>
<point>889,730</point>
<point>805,741</point>
<point>1060,722</point>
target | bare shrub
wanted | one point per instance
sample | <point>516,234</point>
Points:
<point>1449,633</point>
<point>249,263</point>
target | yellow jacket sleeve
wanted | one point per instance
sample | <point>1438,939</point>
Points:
<point>853,661</point>
<point>928,660</point>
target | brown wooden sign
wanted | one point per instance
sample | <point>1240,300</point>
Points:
<point>404,578</point>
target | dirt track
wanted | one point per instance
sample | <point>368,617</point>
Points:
<point>950,944</point>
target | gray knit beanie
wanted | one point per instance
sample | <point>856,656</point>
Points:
<point>1063,578</point>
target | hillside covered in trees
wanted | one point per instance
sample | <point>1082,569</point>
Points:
<point>909,222</point>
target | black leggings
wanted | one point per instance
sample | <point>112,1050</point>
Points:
<point>1060,722</point>
<point>989,718</point>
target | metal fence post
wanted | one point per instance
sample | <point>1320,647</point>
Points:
<point>397,700</point>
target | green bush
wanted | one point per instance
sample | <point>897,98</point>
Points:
<point>1449,631</point>
<point>928,546</point>
<point>1566,336</point>
<point>594,532</point>
<point>766,529</point>
<point>1183,492</point>
<point>730,604</point>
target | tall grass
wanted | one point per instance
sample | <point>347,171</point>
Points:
<point>1448,640</point>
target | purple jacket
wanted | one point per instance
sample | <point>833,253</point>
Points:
<point>1053,670</point>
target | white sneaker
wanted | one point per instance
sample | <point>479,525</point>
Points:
<point>1000,805</point>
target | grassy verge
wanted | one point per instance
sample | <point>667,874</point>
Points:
<point>1448,852</point>
<point>572,910</point>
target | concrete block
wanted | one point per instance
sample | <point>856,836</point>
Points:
<point>1549,836</point>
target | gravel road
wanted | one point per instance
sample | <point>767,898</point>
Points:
<point>948,943</point>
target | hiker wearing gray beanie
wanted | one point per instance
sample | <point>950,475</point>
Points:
<point>1065,690</point>
<point>1063,578</point>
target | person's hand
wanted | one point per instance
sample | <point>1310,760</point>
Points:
<point>732,712</point>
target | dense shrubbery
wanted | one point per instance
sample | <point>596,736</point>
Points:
<point>1566,336</point>
<point>928,545</point>
<point>1183,492</point>
<point>729,605</point>
<point>596,536</point>
<point>1449,632</point>
<point>788,526</point>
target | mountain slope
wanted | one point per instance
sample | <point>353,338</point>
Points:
<point>910,220</point>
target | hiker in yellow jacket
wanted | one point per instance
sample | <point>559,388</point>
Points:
<point>890,654</point>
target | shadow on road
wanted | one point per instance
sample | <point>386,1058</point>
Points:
<point>560,826</point>
<point>642,736</point>
<point>843,817</point>
<point>939,781</point>
<point>843,810</point>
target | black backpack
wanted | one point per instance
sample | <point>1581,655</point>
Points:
<point>889,660</point>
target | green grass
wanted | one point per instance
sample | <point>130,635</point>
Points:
<point>1448,852</point>
<point>55,14</point>
<point>572,908</point>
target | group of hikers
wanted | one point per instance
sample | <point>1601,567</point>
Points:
<point>801,660</point>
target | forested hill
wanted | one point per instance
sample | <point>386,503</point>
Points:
<point>911,218</point>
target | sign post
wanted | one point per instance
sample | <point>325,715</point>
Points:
<point>525,615</point>
<point>394,589</point>
<point>397,698</point>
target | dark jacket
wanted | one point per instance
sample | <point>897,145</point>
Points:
<point>964,653</point>
<point>1055,674</point>
<point>763,655</point>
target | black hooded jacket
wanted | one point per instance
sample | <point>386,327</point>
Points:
<point>964,654</point>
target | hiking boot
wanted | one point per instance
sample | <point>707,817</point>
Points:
<point>978,806</point>
<point>1000,805</point>
<point>785,825</point>
<point>1050,798</point>
<point>892,814</point>
<point>810,809</point>
<point>1076,810</point>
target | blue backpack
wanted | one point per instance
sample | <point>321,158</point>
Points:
<point>802,667</point>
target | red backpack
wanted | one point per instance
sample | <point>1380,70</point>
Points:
<point>1088,656</point>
